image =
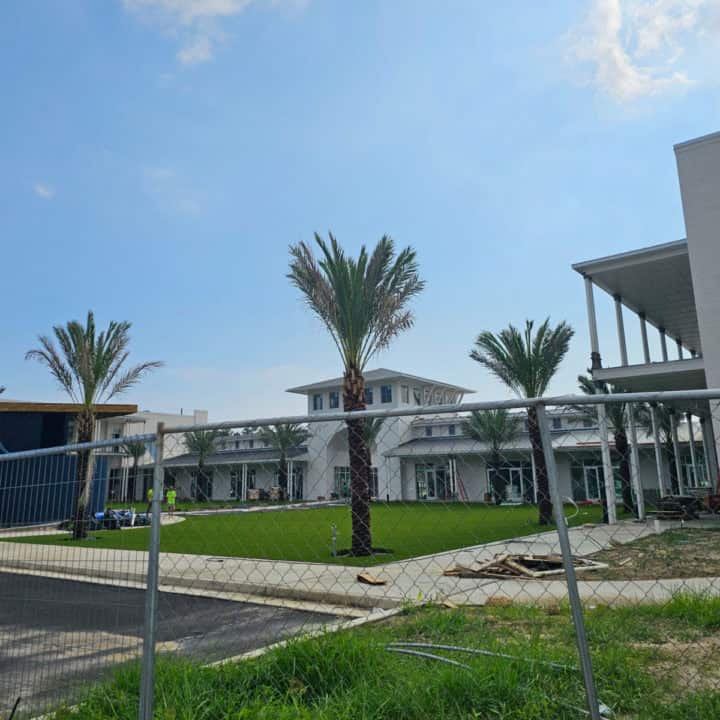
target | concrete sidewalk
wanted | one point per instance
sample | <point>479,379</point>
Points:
<point>413,580</point>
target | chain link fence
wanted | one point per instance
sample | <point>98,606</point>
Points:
<point>560,557</point>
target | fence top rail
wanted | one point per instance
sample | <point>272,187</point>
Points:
<point>518,403</point>
<point>76,447</point>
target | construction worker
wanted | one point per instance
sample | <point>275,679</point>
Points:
<point>149,501</point>
<point>171,498</point>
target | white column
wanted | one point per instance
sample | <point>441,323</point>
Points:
<point>709,450</point>
<point>592,323</point>
<point>534,475</point>
<point>691,441</point>
<point>608,474</point>
<point>658,452</point>
<point>643,335</point>
<point>663,344</point>
<point>290,480</point>
<point>635,461</point>
<point>243,483</point>
<point>676,452</point>
<point>621,330</point>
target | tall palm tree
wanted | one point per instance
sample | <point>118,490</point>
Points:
<point>202,443</point>
<point>498,428</point>
<point>91,368</point>
<point>664,418</point>
<point>136,450</point>
<point>363,304</point>
<point>616,414</point>
<point>526,362</point>
<point>284,437</point>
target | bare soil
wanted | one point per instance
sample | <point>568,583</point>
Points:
<point>673,554</point>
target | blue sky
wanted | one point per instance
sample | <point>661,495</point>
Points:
<point>159,156</point>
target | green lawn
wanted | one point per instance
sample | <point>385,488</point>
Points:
<point>408,530</point>
<point>642,668</point>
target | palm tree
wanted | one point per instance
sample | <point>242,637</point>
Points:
<point>498,428</point>
<point>136,450</point>
<point>363,305</point>
<point>284,437</point>
<point>616,414</point>
<point>526,363</point>
<point>91,369</point>
<point>664,418</point>
<point>202,443</point>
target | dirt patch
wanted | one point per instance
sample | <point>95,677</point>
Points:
<point>690,665</point>
<point>673,554</point>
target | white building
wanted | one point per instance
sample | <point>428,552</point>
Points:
<point>122,483</point>
<point>673,288</point>
<point>415,457</point>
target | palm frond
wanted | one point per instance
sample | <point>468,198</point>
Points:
<point>498,428</point>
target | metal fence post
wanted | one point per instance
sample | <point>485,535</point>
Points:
<point>147,680</point>
<point>571,579</point>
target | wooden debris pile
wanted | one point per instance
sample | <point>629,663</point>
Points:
<point>520,566</point>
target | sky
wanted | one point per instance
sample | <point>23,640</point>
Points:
<point>159,157</point>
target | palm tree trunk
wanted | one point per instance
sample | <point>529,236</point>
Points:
<point>623,449</point>
<point>674,484</point>
<point>282,473</point>
<point>85,431</point>
<point>545,508</point>
<point>354,400</point>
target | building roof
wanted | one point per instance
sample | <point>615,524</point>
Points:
<point>373,376</point>
<point>237,457</point>
<point>108,410</point>
<point>656,281</point>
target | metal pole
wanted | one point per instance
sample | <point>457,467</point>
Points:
<point>693,454</point>
<point>534,475</point>
<point>621,330</point>
<point>571,579</point>
<point>635,462</point>
<point>706,450</point>
<point>147,680</point>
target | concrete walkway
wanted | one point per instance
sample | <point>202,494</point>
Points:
<point>413,580</point>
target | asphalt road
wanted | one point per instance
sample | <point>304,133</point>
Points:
<point>56,635</point>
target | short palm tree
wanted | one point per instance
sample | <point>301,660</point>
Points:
<point>202,443</point>
<point>91,368</point>
<point>363,304</point>
<point>664,417</point>
<point>616,414</point>
<point>526,362</point>
<point>497,428</point>
<point>136,450</point>
<point>284,437</point>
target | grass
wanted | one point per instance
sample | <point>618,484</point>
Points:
<point>408,530</point>
<point>350,676</point>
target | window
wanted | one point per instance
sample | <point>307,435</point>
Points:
<point>116,436</point>
<point>341,485</point>
<point>405,394</point>
<point>334,398</point>
<point>368,396</point>
<point>557,423</point>
<point>317,402</point>
<point>251,444</point>
<point>428,431</point>
<point>451,429</point>
<point>386,394</point>
<point>237,444</point>
<point>417,396</point>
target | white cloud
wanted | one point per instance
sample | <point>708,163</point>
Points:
<point>44,191</point>
<point>171,191</point>
<point>197,22</point>
<point>636,48</point>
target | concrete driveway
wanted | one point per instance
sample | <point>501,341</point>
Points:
<point>56,635</point>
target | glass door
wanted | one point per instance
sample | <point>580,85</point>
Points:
<point>515,486</point>
<point>593,482</point>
